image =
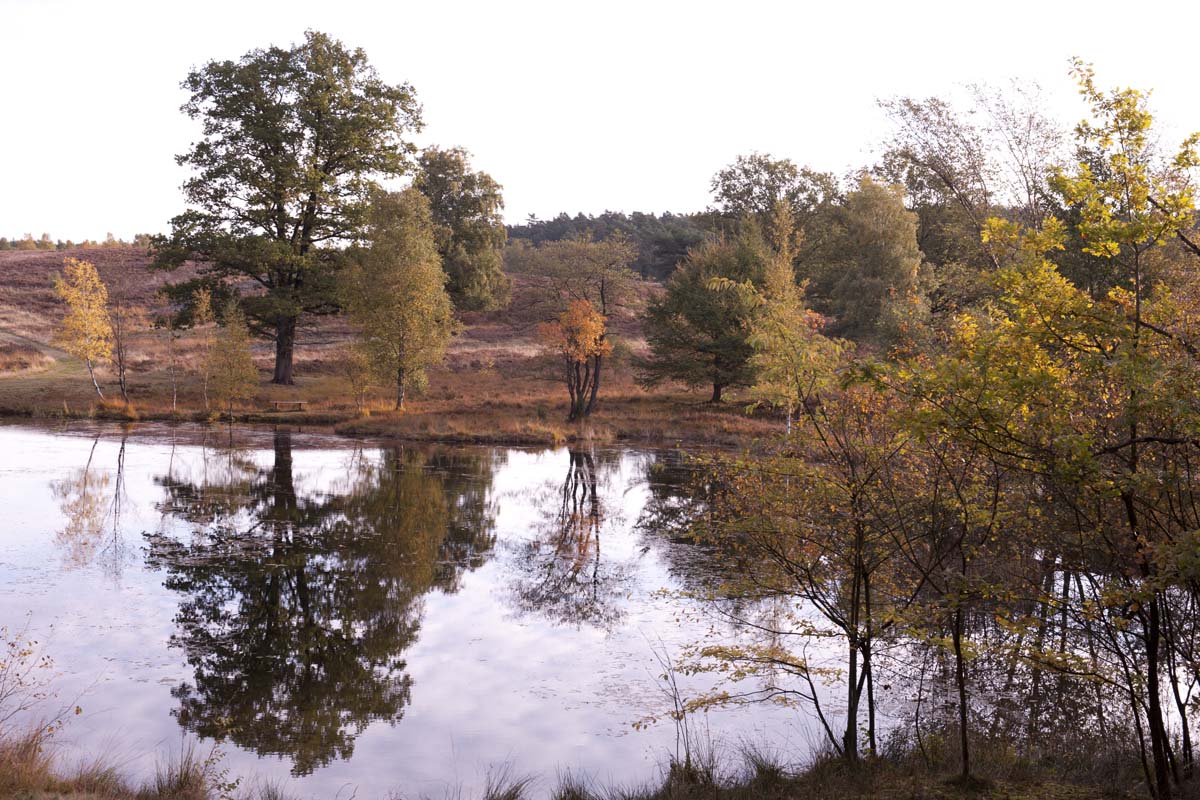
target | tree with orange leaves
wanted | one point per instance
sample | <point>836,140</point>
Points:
<point>577,338</point>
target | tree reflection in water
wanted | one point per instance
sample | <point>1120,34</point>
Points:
<point>678,494</point>
<point>90,500</point>
<point>562,573</point>
<point>673,519</point>
<point>297,607</point>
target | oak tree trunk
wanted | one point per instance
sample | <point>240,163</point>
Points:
<point>285,345</point>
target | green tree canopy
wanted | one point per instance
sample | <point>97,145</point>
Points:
<point>395,292</point>
<point>293,143</point>
<point>471,234</point>
<point>699,333</point>
<point>872,261</point>
<point>753,184</point>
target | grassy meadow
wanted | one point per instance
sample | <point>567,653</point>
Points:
<point>496,385</point>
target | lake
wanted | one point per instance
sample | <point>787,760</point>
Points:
<point>344,616</point>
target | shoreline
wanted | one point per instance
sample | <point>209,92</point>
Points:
<point>697,427</point>
<point>32,769</point>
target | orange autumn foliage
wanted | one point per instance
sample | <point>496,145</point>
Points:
<point>578,338</point>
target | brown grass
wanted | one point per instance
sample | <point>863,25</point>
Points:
<point>494,387</point>
<point>17,357</point>
<point>29,769</point>
<point>28,305</point>
<point>540,419</point>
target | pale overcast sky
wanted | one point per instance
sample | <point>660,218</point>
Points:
<point>571,106</point>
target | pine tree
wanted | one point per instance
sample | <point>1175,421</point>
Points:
<point>870,278</point>
<point>699,333</point>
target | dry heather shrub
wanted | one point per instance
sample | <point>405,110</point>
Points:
<point>21,357</point>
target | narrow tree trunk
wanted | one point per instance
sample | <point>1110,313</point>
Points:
<point>591,406</point>
<point>850,737</point>
<point>960,677</point>
<point>285,343</point>
<point>1159,746</point>
<point>174,369</point>
<point>121,345</point>
<point>572,378</point>
<point>400,389</point>
<point>716,393</point>
<point>1181,707</point>
<point>868,665</point>
<point>579,379</point>
<point>92,372</point>
<point>917,713</point>
<point>207,367</point>
<point>573,389</point>
<point>586,382</point>
<point>1034,715</point>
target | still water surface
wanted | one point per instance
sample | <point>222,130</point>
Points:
<point>348,617</point>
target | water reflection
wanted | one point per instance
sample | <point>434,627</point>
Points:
<point>681,489</point>
<point>678,497</point>
<point>496,606</point>
<point>90,501</point>
<point>562,572</point>
<point>471,526</point>
<point>297,606</point>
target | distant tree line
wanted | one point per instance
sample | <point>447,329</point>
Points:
<point>661,241</point>
<point>44,242</point>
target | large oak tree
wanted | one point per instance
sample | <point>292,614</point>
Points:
<point>294,142</point>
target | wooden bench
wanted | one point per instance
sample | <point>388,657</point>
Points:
<point>288,405</point>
